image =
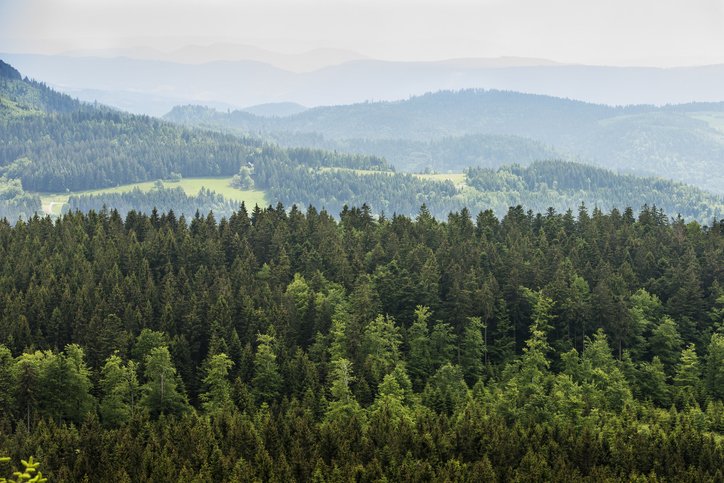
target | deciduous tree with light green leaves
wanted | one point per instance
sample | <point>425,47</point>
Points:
<point>120,391</point>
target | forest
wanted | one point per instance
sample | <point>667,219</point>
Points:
<point>51,143</point>
<point>479,126</point>
<point>286,345</point>
<point>161,198</point>
<point>560,185</point>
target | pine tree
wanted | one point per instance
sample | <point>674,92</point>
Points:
<point>714,374</point>
<point>666,343</point>
<point>267,381</point>
<point>382,341</point>
<point>687,380</point>
<point>419,361</point>
<point>473,350</point>
<point>217,395</point>
<point>652,382</point>
<point>7,382</point>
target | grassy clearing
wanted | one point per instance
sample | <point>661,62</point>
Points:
<point>457,178</point>
<point>326,169</point>
<point>714,119</point>
<point>53,203</point>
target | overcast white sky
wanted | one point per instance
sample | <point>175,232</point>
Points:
<point>619,32</point>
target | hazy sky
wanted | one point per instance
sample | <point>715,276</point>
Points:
<point>623,32</point>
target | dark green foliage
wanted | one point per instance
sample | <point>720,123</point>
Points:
<point>487,128</point>
<point>163,347</point>
<point>160,198</point>
<point>563,185</point>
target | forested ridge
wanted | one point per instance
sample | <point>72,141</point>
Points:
<point>50,142</point>
<point>284,345</point>
<point>161,198</point>
<point>290,177</point>
<point>676,141</point>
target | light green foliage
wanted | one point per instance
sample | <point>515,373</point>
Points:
<point>666,343</point>
<point>146,341</point>
<point>645,310</point>
<point>652,382</point>
<point>381,344</point>
<point>298,293</point>
<point>446,389</point>
<point>56,385</point>
<point>473,350</point>
<point>243,179</point>
<point>28,374</point>
<point>217,397</point>
<point>162,393</point>
<point>537,345</point>
<point>120,391</point>
<point>267,381</point>
<point>338,347</point>
<point>687,380</point>
<point>389,414</point>
<point>528,380</point>
<point>77,383</point>
<point>603,383</point>
<point>419,362</point>
<point>29,473</point>
<point>442,344</point>
<point>343,404</point>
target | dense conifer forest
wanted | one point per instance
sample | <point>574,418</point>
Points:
<point>283,345</point>
<point>161,198</point>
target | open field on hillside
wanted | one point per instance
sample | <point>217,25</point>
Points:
<point>53,203</point>
<point>457,178</point>
<point>714,119</point>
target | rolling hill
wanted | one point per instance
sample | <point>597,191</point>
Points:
<point>151,86</point>
<point>683,142</point>
<point>50,142</point>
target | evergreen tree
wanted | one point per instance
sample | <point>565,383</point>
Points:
<point>217,397</point>
<point>666,343</point>
<point>687,380</point>
<point>419,361</point>
<point>267,380</point>
<point>382,341</point>
<point>473,350</point>
<point>714,376</point>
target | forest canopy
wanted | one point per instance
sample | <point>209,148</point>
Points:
<point>286,345</point>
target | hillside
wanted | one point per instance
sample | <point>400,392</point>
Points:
<point>683,142</point>
<point>53,144</point>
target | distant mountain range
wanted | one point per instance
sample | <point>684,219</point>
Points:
<point>155,86</point>
<point>452,130</point>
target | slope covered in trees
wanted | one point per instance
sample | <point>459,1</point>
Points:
<point>670,141</point>
<point>160,198</point>
<point>562,185</point>
<point>282,345</point>
<point>551,184</point>
<point>52,143</point>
